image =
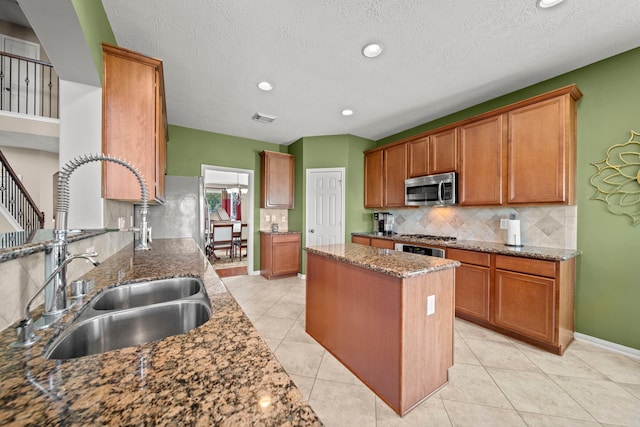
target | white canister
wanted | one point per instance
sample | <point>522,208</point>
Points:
<point>513,233</point>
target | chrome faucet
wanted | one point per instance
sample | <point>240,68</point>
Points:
<point>26,337</point>
<point>56,255</point>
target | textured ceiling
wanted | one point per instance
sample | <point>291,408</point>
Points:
<point>439,57</point>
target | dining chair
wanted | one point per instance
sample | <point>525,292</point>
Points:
<point>222,238</point>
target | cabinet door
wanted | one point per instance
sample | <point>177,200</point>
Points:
<point>539,149</point>
<point>481,150</point>
<point>286,256</point>
<point>129,127</point>
<point>526,304</point>
<point>373,166</point>
<point>443,152</point>
<point>276,183</point>
<point>418,157</point>
<point>472,291</point>
<point>395,172</point>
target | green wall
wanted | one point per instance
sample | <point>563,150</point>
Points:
<point>96,28</point>
<point>607,291</point>
<point>331,152</point>
<point>188,149</point>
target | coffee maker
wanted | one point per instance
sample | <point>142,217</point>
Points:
<point>383,223</point>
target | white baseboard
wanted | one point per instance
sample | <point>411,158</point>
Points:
<point>302,276</point>
<point>617,348</point>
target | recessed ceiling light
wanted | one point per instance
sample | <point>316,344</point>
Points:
<point>372,50</point>
<point>346,112</point>
<point>266,86</point>
<point>545,4</point>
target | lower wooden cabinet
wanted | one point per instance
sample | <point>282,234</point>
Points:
<point>473,280</point>
<point>528,299</point>
<point>373,241</point>
<point>279,254</point>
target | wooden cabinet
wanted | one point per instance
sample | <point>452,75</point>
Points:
<point>384,173</point>
<point>276,180</point>
<point>482,145</point>
<point>134,125</point>
<point>433,154</point>
<point>443,152</point>
<point>373,165</point>
<point>361,240</point>
<point>520,154</point>
<point>528,299</point>
<point>373,241</point>
<point>279,254</point>
<point>542,152</point>
<point>473,279</point>
<point>394,174</point>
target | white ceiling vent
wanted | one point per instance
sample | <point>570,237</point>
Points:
<point>263,118</point>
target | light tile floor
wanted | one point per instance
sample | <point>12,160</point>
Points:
<point>495,381</point>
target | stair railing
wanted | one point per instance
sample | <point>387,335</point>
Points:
<point>16,199</point>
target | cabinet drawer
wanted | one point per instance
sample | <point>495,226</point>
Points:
<point>286,238</point>
<point>537,267</point>
<point>382,243</point>
<point>470,257</point>
<point>361,240</point>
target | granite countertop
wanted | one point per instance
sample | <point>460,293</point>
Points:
<point>221,373</point>
<point>549,254</point>
<point>386,261</point>
<point>21,243</point>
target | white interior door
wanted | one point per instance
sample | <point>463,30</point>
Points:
<point>325,206</point>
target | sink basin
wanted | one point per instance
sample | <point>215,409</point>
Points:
<point>125,328</point>
<point>133,314</point>
<point>147,293</point>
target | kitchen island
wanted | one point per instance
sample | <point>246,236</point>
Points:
<point>221,373</point>
<point>386,315</point>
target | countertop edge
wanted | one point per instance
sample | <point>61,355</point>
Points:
<point>534,252</point>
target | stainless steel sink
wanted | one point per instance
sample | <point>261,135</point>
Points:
<point>146,293</point>
<point>134,318</point>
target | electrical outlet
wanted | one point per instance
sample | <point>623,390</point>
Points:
<point>284,218</point>
<point>267,218</point>
<point>504,223</point>
<point>431,305</point>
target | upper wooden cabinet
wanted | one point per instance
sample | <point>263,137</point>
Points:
<point>482,145</point>
<point>432,154</point>
<point>384,173</point>
<point>373,165</point>
<point>395,172</point>
<point>542,152</point>
<point>276,180</point>
<point>134,125</point>
<point>443,151</point>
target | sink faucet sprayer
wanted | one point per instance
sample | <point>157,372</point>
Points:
<point>57,257</point>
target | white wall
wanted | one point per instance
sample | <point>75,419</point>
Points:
<point>81,133</point>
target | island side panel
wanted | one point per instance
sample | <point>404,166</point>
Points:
<point>355,314</point>
<point>427,341</point>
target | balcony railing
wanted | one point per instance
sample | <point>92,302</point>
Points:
<point>28,86</point>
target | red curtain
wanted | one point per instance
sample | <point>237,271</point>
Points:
<point>226,202</point>
<point>238,211</point>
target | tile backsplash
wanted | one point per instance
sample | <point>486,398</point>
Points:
<point>546,226</point>
<point>279,216</point>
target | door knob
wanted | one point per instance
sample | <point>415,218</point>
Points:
<point>312,231</point>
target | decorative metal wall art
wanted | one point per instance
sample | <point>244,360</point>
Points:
<point>617,180</point>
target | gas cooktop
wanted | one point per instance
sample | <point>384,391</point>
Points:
<point>429,237</point>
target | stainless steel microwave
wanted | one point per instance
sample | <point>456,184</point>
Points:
<point>432,190</point>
